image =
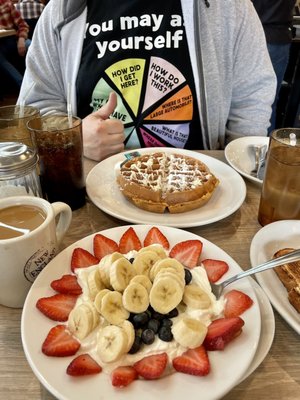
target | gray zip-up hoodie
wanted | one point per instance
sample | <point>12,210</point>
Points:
<point>234,78</point>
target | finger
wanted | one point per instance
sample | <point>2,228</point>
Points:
<point>105,111</point>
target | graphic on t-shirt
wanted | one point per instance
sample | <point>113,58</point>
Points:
<point>160,108</point>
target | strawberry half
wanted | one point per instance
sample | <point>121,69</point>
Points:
<point>155,236</point>
<point>151,367</point>
<point>236,303</point>
<point>67,284</point>
<point>193,362</point>
<point>129,241</point>
<point>222,331</point>
<point>123,376</point>
<point>60,343</point>
<point>84,364</point>
<point>215,269</point>
<point>57,307</point>
<point>187,252</point>
<point>103,246</point>
<point>82,258</point>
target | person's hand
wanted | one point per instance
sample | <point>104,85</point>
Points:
<point>103,137</point>
<point>21,47</point>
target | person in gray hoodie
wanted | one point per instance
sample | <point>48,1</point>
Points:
<point>191,74</point>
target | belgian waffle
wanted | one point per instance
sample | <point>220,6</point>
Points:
<point>289,274</point>
<point>161,181</point>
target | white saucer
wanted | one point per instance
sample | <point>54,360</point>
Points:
<point>239,155</point>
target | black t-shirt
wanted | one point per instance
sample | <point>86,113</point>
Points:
<point>139,50</point>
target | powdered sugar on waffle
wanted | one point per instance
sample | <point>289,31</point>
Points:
<point>166,173</point>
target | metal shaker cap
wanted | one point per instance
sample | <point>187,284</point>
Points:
<point>16,160</point>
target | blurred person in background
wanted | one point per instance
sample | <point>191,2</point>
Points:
<point>30,11</point>
<point>277,17</point>
<point>13,48</point>
<point>179,73</point>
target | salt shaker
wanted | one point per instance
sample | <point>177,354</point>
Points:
<point>18,170</point>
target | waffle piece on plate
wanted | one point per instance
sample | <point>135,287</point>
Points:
<point>289,274</point>
<point>161,181</point>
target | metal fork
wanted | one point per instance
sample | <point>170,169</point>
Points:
<point>260,153</point>
<point>217,288</point>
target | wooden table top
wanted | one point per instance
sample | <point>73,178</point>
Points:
<point>278,376</point>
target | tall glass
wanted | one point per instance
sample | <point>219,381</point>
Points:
<point>13,123</point>
<point>60,148</point>
<point>280,196</point>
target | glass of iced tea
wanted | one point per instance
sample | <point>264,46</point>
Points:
<point>280,196</point>
<point>58,140</point>
<point>13,123</point>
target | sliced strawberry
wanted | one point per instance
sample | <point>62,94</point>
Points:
<point>84,364</point>
<point>82,258</point>
<point>222,331</point>
<point>156,236</point>
<point>187,252</point>
<point>123,376</point>
<point>215,269</point>
<point>104,245</point>
<point>129,241</point>
<point>151,367</point>
<point>193,362</point>
<point>67,284</point>
<point>236,303</point>
<point>60,343</point>
<point>57,307</point>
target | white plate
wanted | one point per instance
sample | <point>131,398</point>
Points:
<point>103,190</point>
<point>267,329</point>
<point>241,158</point>
<point>51,370</point>
<point>265,243</point>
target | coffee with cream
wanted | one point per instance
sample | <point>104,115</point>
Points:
<point>20,220</point>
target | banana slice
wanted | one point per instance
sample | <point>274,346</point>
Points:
<point>112,343</point>
<point>136,298</point>
<point>104,267</point>
<point>195,297</point>
<point>112,308</point>
<point>96,316</point>
<point>98,299</point>
<point>189,332</point>
<point>166,293</point>
<point>95,283</point>
<point>157,248</point>
<point>130,332</point>
<point>171,272</point>
<point>143,280</point>
<point>144,261</point>
<point>166,263</point>
<point>81,321</point>
<point>121,272</point>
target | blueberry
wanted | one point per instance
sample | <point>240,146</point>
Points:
<point>136,345</point>
<point>148,336</point>
<point>153,324</point>
<point>140,319</point>
<point>165,334</point>
<point>166,322</point>
<point>157,315</point>
<point>187,276</point>
<point>173,313</point>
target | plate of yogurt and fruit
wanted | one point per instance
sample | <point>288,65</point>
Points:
<point>78,334</point>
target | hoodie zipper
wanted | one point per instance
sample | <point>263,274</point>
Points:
<point>200,69</point>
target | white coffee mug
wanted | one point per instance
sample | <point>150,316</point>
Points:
<point>24,257</point>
